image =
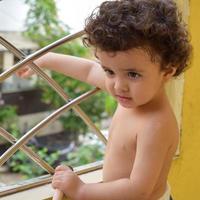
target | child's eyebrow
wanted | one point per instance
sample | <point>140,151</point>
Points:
<point>134,70</point>
<point>126,70</point>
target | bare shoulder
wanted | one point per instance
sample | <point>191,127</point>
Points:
<point>161,127</point>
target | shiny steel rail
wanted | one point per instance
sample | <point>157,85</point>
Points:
<point>38,54</point>
<point>28,151</point>
<point>51,118</point>
<point>70,104</point>
<point>54,85</point>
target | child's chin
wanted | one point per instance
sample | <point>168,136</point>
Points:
<point>126,105</point>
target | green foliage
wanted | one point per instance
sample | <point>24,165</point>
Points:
<point>9,119</point>
<point>21,163</point>
<point>42,21</point>
<point>7,114</point>
<point>85,154</point>
<point>94,106</point>
<point>44,27</point>
<point>110,104</point>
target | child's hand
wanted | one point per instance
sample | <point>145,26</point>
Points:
<point>25,72</point>
<point>67,181</point>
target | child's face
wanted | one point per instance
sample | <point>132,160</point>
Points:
<point>131,76</point>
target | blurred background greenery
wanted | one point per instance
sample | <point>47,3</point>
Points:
<point>44,27</point>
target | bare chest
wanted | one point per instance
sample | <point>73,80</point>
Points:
<point>120,151</point>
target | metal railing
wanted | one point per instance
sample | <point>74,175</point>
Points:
<point>20,144</point>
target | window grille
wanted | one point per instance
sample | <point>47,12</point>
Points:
<point>20,144</point>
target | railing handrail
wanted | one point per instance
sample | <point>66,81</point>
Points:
<point>21,143</point>
<point>54,85</point>
<point>38,54</point>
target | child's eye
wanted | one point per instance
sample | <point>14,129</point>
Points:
<point>134,75</point>
<point>109,72</point>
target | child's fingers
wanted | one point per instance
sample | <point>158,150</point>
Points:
<point>25,72</point>
<point>63,168</point>
<point>22,70</point>
<point>56,183</point>
<point>57,180</point>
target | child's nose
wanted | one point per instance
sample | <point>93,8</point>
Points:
<point>120,86</point>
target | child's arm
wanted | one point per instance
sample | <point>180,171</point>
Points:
<point>152,147</point>
<point>79,68</point>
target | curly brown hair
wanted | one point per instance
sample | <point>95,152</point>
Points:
<point>154,25</point>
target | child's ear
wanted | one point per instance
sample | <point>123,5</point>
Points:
<point>169,72</point>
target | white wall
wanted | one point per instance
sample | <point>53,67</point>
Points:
<point>12,15</point>
<point>71,12</point>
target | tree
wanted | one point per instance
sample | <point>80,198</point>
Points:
<point>44,27</point>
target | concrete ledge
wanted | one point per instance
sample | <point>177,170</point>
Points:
<point>45,191</point>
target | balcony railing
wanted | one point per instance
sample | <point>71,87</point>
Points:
<point>20,144</point>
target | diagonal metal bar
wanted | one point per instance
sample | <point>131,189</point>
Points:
<point>55,86</point>
<point>38,54</point>
<point>24,139</point>
<point>28,151</point>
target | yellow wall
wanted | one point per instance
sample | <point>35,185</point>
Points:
<point>185,173</point>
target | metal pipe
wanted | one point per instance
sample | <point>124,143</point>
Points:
<point>55,86</point>
<point>24,139</point>
<point>20,144</point>
<point>38,54</point>
<point>29,152</point>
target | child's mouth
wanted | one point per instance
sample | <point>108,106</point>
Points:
<point>123,98</point>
